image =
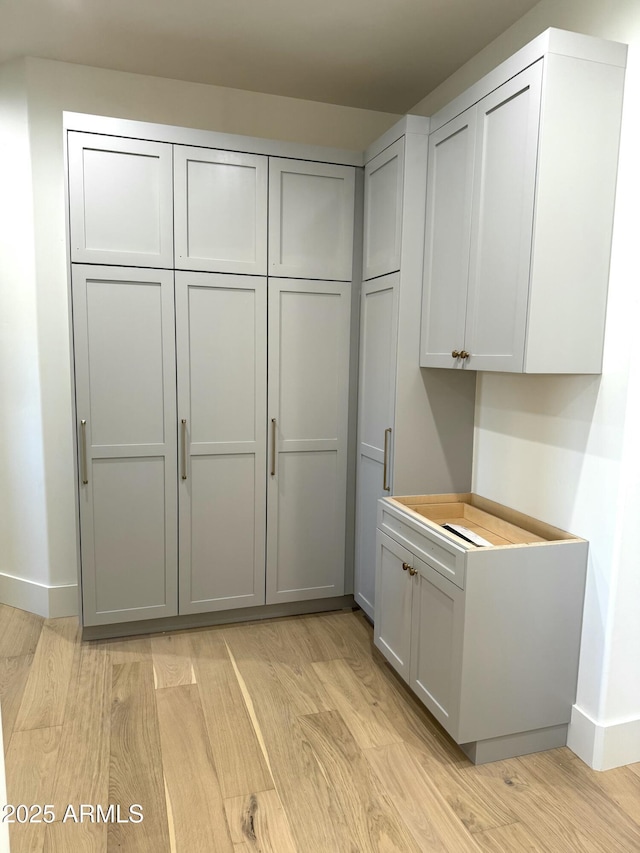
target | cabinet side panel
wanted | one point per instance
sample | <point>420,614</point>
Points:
<point>521,638</point>
<point>577,167</point>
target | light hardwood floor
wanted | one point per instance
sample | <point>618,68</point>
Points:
<point>282,736</point>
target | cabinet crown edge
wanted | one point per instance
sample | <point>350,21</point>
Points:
<point>551,41</point>
<point>198,138</point>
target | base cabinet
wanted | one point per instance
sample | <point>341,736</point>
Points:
<point>487,637</point>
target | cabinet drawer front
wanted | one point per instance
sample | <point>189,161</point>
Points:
<point>448,561</point>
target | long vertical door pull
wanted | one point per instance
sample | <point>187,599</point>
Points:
<point>273,447</point>
<point>385,469</point>
<point>83,456</point>
<point>184,449</point>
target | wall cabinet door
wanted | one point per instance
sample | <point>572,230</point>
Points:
<point>120,201</point>
<point>447,241</point>
<point>311,212</point>
<point>376,409</point>
<point>221,211</point>
<point>506,157</point>
<point>221,324</point>
<point>383,179</point>
<point>308,380</point>
<point>394,589</point>
<point>480,204</point>
<point>123,323</point>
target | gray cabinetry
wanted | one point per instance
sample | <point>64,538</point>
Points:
<point>522,166</point>
<point>175,407</point>
<point>486,636</point>
<point>126,405</point>
<point>413,427</point>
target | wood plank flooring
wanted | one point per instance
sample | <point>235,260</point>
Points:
<point>288,736</point>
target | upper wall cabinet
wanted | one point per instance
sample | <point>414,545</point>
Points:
<point>221,211</point>
<point>121,207</point>
<point>383,211</point>
<point>311,211</point>
<point>520,198</point>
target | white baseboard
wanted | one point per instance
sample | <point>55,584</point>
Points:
<point>47,601</point>
<point>603,747</point>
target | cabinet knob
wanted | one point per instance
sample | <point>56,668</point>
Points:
<point>456,353</point>
<point>464,354</point>
<point>412,571</point>
<point>405,566</point>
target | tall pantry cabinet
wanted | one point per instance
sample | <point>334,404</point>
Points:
<point>211,398</point>
<point>414,427</point>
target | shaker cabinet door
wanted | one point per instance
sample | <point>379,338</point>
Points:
<point>383,178</point>
<point>222,384</point>
<point>221,211</point>
<point>447,240</point>
<point>120,201</point>
<point>307,419</point>
<point>506,157</point>
<point>126,408</point>
<point>376,413</point>
<point>437,633</point>
<point>394,590</point>
<point>311,212</point>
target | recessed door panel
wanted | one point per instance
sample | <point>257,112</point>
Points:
<point>311,379</point>
<point>223,500</point>
<point>129,547</point>
<point>124,320</point>
<point>222,365</point>
<point>310,556</point>
<point>368,491</point>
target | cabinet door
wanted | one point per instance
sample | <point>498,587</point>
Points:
<point>221,348</point>
<point>383,211</point>
<point>126,406</point>
<point>311,210</point>
<point>436,643</point>
<point>394,589</point>
<point>221,211</point>
<point>447,239</point>
<point>506,153</point>
<point>376,407</point>
<point>308,399</point>
<point>120,201</point>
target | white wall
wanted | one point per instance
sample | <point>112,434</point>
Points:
<point>23,520</point>
<point>565,449</point>
<point>38,530</point>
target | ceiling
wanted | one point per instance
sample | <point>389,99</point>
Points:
<point>377,54</point>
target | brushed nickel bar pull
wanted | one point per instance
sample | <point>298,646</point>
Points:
<point>83,454</point>
<point>385,467</point>
<point>273,447</point>
<point>184,449</point>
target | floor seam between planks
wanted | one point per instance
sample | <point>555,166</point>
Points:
<point>250,709</point>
